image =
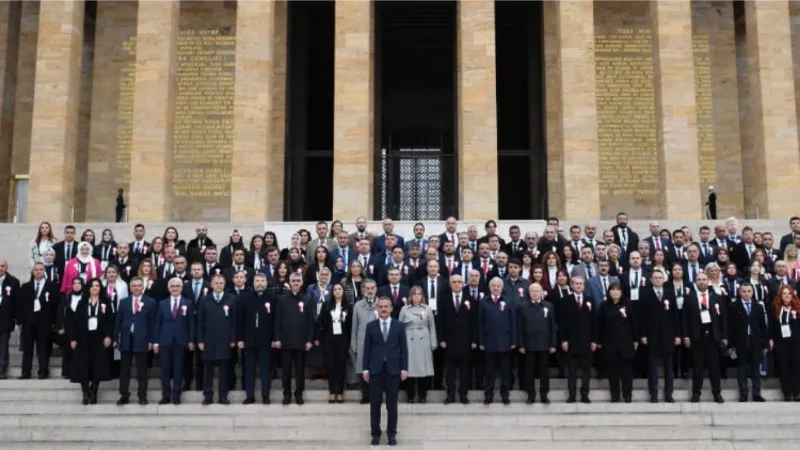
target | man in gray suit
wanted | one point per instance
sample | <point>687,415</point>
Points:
<point>586,267</point>
<point>322,240</point>
<point>598,285</point>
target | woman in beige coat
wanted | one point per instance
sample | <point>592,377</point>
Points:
<point>421,338</point>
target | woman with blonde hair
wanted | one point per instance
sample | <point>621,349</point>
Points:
<point>418,319</point>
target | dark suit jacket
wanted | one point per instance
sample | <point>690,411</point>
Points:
<point>393,351</point>
<point>399,302</point>
<point>691,317</point>
<point>61,259</point>
<point>458,328</point>
<point>633,239</point>
<point>251,305</point>
<point>178,330</point>
<point>48,302</point>
<point>537,328</point>
<point>144,324</point>
<point>738,322</point>
<point>576,324</point>
<point>659,320</point>
<point>294,325</point>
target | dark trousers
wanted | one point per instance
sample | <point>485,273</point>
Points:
<point>4,339</point>
<point>92,382</point>
<point>293,359</point>
<point>620,373</point>
<point>519,367</point>
<point>417,387</point>
<point>705,353</point>
<point>787,361</point>
<point>477,368</point>
<point>749,366</point>
<point>140,358</point>
<point>575,363</point>
<point>118,214</point>
<point>335,358</point>
<point>193,368</point>
<point>682,361</point>
<point>208,379</point>
<point>537,361</point>
<point>665,363</point>
<point>492,361</point>
<point>640,362</point>
<point>171,359</point>
<point>457,365</point>
<point>67,355</point>
<point>438,368</point>
<point>36,335</point>
<point>380,384</point>
<point>234,361</point>
<point>259,355</point>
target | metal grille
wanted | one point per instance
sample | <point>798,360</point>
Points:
<point>412,184</point>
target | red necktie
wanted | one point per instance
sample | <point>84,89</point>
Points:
<point>449,266</point>
<point>136,305</point>
<point>486,267</point>
<point>174,308</point>
<point>705,301</point>
<point>658,243</point>
<point>394,294</point>
<point>458,301</point>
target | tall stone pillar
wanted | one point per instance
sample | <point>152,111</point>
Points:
<point>477,111</point>
<point>575,114</point>
<point>353,106</point>
<point>252,193</point>
<point>155,88</point>
<point>675,107</point>
<point>56,101</point>
<point>10,13</point>
<point>774,116</point>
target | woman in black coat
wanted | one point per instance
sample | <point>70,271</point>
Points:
<point>333,333</point>
<point>785,341</point>
<point>66,311</point>
<point>619,338</point>
<point>90,334</point>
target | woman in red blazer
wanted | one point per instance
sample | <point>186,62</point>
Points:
<point>84,266</point>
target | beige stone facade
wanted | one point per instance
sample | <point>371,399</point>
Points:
<point>187,106</point>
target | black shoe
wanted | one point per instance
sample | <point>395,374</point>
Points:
<point>44,376</point>
<point>286,400</point>
<point>207,401</point>
<point>628,400</point>
<point>364,401</point>
<point>743,398</point>
<point>249,401</point>
<point>669,399</point>
<point>164,401</point>
<point>545,400</point>
<point>423,400</point>
<point>787,398</point>
<point>796,398</point>
<point>3,376</point>
<point>465,400</point>
<point>392,441</point>
<point>585,399</point>
<point>299,400</point>
<point>614,399</point>
<point>653,398</point>
<point>186,387</point>
<point>85,398</point>
<point>124,400</point>
<point>758,398</point>
<point>142,401</point>
<point>695,398</point>
<point>176,401</point>
<point>506,401</point>
<point>487,400</point>
<point>224,401</point>
<point>375,441</point>
<point>25,377</point>
<point>410,400</point>
<point>531,400</point>
<point>571,399</point>
<point>449,399</point>
<point>265,401</point>
<point>718,398</point>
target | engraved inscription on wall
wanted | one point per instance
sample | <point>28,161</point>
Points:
<point>626,116</point>
<point>706,138</point>
<point>203,125</point>
<point>127,80</point>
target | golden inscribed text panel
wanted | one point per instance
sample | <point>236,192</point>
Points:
<point>626,121</point>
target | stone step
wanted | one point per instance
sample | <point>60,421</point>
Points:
<point>356,433</point>
<point>319,396</point>
<point>58,383</point>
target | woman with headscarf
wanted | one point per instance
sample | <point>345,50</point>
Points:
<point>84,265</point>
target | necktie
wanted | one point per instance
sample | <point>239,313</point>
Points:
<point>578,300</point>
<point>514,247</point>
<point>748,307</point>
<point>605,286</point>
<point>136,305</point>
<point>458,301</point>
<point>69,251</point>
<point>474,294</point>
<point>705,301</point>
<point>589,270</point>
<point>575,246</point>
<point>196,290</point>
<point>485,266</point>
<point>385,326</point>
<point>705,249</point>
<point>659,294</point>
<point>624,238</point>
<point>749,250</point>
<point>658,243</point>
<point>174,308</point>
<point>449,266</point>
<point>693,273</point>
<point>394,294</point>
<point>635,279</point>
<point>432,290</point>
<point>38,286</point>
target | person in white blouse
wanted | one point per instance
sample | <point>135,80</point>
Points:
<point>43,242</point>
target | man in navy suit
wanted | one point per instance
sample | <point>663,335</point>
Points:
<point>174,334</point>
<point>134,328</point>
<point>385,365</point>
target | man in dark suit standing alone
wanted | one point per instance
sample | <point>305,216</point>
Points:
<point>133,334</point>
<point>385,365</point>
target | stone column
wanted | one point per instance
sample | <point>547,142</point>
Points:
<point>353,106</point>
<point>252,113</point>
<point>10,13</point>
<point>675,107</point>
<point>155,88</point>
<point>772,101</point>
<point>54,130</point>
<point>576,129</point>
<point>477,111</point>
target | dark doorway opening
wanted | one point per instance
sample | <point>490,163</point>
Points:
<point>308,192</point>
<point>415,157</point>
<point>521,155</point>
